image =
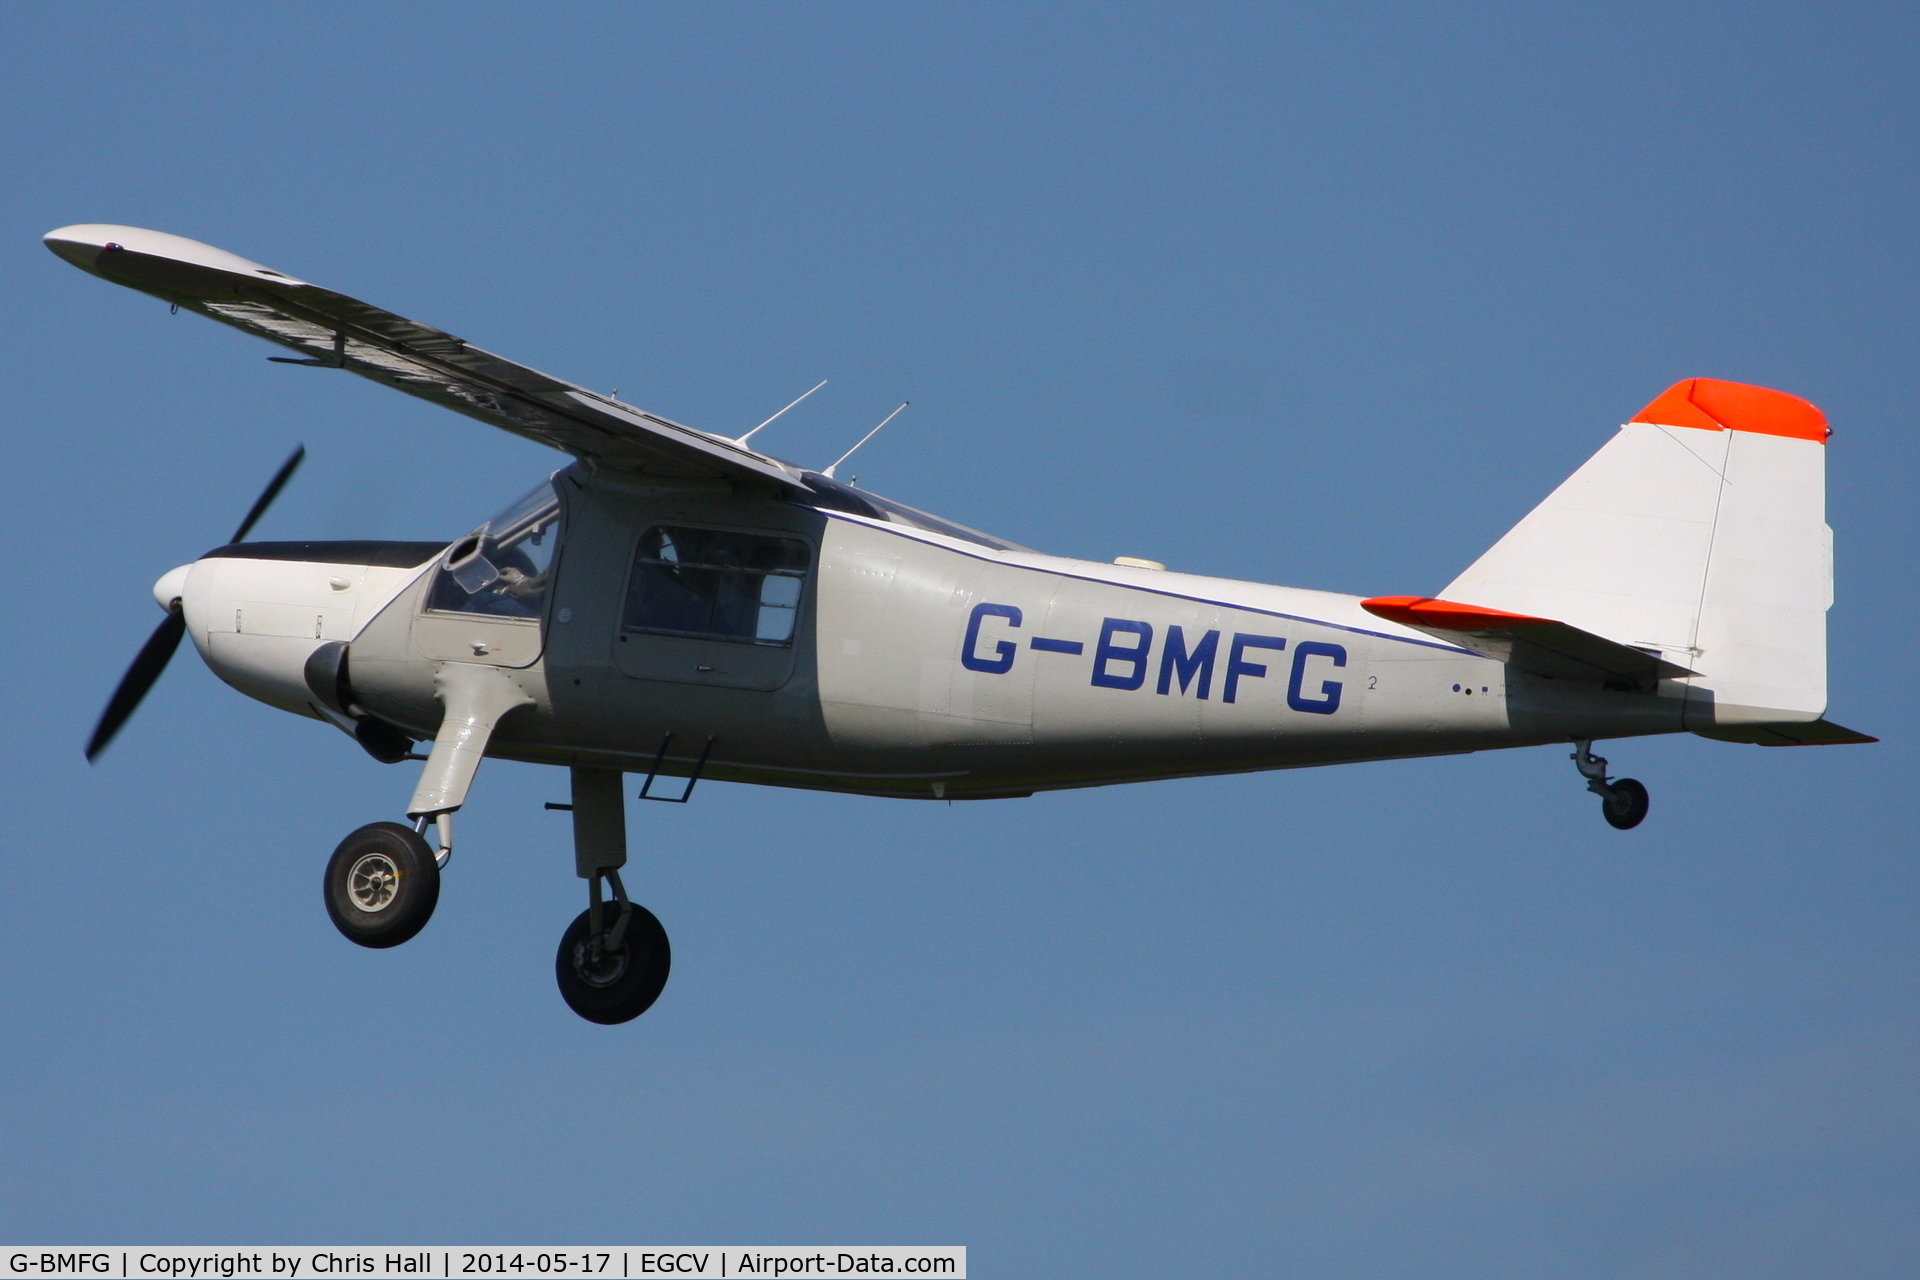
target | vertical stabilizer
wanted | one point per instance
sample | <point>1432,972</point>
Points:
<point>1698,531</point>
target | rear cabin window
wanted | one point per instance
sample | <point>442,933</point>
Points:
<point>716,585</point>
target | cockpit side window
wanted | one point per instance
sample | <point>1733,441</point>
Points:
<point>501,569</point>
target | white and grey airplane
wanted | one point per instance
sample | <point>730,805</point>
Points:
<point>676,603</point>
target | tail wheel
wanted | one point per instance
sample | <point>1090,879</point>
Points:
<point>382,885</point>
<point>1625,804</point>
<point>613,983</point>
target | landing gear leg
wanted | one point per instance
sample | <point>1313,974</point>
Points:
<point>384,879</point>
<point>442,824</point>
<point>614,958</point>
<point>1623,801</point>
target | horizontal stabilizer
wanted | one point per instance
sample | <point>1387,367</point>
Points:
<point>1812,733</point>
<point>1538,646</point>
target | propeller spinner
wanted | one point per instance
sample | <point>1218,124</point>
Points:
<point>159,648</point>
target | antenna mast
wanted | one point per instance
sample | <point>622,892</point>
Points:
<point>803,395</point>
<point>828,473</point>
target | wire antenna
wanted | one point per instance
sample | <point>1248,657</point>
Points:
<point>803,395</point>
<point>828,473</point>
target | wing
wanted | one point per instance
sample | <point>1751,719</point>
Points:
<point>333,330</point>
<point>1539,646</point>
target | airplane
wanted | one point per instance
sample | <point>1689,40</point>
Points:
<point>679,604</point>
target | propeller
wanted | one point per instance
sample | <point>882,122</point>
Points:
<point>158,650</point>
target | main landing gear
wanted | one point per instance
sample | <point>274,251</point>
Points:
<point>384,879</point>
<point>383,882</point>
<point>1623,801</point>
<point>614,957</point>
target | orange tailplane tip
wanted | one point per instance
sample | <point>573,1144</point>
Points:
<point>1424,611</point>
<point>1712,405</point>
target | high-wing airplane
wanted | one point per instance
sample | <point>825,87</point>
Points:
<point>679,604</point>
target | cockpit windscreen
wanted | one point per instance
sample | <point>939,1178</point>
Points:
<point>501,568</point>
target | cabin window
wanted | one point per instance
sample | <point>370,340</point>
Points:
<point>716,585</point>
<point>501,568</point>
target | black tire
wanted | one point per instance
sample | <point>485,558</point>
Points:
<point>382,885</point>
<point>623,985</point>
<point>1625,805</point>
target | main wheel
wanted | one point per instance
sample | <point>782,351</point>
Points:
<point>617,986</point>
<point>382,885</point>
<point>1625,804</point>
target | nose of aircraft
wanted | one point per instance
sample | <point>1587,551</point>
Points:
<point>172,585</point>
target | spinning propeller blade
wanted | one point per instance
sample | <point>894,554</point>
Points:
<point>159,648</point>
<point>268,494</point>
<point>153,659</point>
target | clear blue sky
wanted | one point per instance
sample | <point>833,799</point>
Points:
<point>1324,297</point>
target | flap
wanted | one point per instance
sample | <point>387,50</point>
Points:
<point>1538,646</point>
<point>331,330</point>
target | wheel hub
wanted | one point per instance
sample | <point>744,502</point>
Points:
<point>372,882</point>
<point>602,969</point>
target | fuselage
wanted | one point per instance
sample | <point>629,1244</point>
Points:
<point>843,648</point>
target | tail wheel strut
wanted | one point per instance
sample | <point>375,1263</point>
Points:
<point>1623,801</point>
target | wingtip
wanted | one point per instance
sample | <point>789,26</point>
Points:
<point>84,244</point>
<point>74,245</point>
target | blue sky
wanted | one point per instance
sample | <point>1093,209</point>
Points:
<point>1327,297</point>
